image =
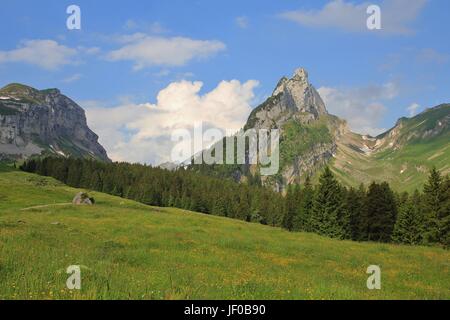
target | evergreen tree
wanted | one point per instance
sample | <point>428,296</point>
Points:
<point>74,173</point>
<point>302,222</point>
<point>328,209</point>
<point>291,207</point>
<point>219,207</point>
<point>409,226</point>
<point>444,214</point>
<point>355,202</point>
<point>380,213</point>
<point>434,198</point>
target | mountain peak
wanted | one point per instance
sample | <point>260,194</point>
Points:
<point>299,95</point>
<point>292,97</point>
<point>300,77</point>
<point>300,74</point>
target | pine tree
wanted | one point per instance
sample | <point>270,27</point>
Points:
<point>328,210</point>
<point>380,213</point>
<point>409,225</point>
<point>433,203</point>
<point>355,209</point>
<point>219,207</point>
<point>74,173</point>
<point>291,207</point>
<point>302,222</point>
<point>444,214</point>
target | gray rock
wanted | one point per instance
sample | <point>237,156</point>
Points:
<point>290,98</point>
<point>82,198</point>
<point>296,99</point>
<point>33,121</point>
<point>168,166</point>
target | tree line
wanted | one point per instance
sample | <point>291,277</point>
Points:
<point>373,213</point>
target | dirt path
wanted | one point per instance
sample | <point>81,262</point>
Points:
<point>46,205</point>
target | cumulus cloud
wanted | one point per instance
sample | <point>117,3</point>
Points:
<point>412,109</point>
<point>363,108</point>
<point>143,132</point>
<point>396,16</point>
<point>46,54</point>
<point>146,51</point>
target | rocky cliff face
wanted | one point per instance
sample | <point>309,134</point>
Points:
<point>34,122</point>
<point>294,97</point>
<point>308,132</point>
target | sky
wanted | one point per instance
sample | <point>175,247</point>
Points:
<point>142,69</point>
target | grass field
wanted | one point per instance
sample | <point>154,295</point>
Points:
<point>131,251</point>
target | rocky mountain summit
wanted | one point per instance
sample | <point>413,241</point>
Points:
<point>311,138</point>
<point>308,133</point>
<point>292,98</point>
<point>40,122</point>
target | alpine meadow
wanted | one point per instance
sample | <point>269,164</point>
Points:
<point>225,154</point>
<point>129,250</point>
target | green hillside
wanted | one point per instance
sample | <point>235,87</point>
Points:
<point>405,155</point>
<point>131,251</point>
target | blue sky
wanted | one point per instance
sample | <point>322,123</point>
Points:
<point>128,52</point>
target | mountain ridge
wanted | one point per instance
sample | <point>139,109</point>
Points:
<point>41,122</point>
<point>311,139</point>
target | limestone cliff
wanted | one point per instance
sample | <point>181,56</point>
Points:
<point>39,122</point>
<point>308,133</point>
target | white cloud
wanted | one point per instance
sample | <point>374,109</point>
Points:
<point>429,55</point>
<point>73,78</point>
<point>162,73</point>
<point>154,27</point>
<point>396,16</point>
<point>361,107</point>
<point>89,50</point>
<point>412,109</point>
<point>46,54</point>
<point>146,51</point>
<point>142,132</point>
<point>242,22</point>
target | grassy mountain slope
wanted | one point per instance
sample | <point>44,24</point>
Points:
<point>129,250</point>
<point>402,156</point>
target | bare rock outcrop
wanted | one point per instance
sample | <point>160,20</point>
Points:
<point>83,198</point>
<point>35,122</point>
